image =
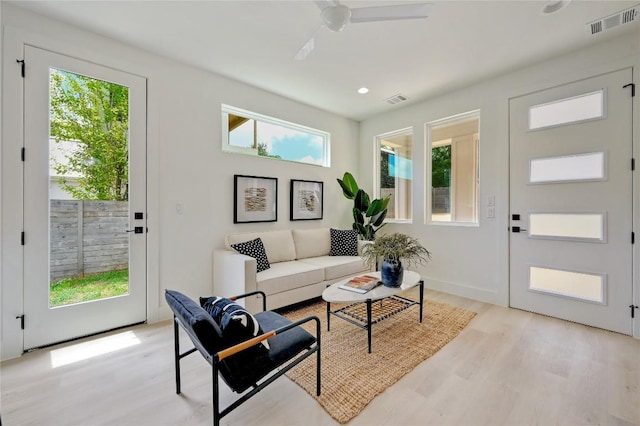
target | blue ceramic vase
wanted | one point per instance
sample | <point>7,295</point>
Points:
<point>391,273</point>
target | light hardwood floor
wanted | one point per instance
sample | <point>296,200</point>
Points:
<point>508,367</point>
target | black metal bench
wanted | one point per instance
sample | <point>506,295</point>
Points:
<point>242,366</point>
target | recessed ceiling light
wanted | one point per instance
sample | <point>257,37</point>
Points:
<point>363,90</point>
<point>554,6</point>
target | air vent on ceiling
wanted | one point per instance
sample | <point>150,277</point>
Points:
<point>396,99</point>
<point>620,18</point>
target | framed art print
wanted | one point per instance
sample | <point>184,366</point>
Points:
<point>255,199</point>
<point>306,200</point>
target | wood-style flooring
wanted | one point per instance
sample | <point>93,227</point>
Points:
<point>508,367</point>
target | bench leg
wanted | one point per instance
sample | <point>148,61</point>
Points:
<point>176,351</point>
<point>369,323</point>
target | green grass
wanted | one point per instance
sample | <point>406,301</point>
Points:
<point>90,287</point>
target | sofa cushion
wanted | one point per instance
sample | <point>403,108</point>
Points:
<point>277,244</point>
<point>344,242</point>
<point>285,276</point>
<point>311,242</point>
<point>237,323</point>
<point>255,249</point>
<point>338,266</point>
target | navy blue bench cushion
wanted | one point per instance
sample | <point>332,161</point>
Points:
<point>245,370</point>
<point>196,320</point>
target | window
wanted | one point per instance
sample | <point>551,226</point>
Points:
<point>395,172</point>
<point>256,134</point>
<point>580,108</point>
<point>453,152</point>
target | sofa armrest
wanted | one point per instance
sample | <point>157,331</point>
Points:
<point>233,274</point>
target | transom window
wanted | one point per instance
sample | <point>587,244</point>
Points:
<point>251,133</point>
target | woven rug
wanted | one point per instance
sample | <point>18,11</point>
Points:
<point>352,377</point>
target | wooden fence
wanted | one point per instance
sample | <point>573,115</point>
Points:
<point>88,237</point>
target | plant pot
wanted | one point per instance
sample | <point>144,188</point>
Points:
<point>391,273</point>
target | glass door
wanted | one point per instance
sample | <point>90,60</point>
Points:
<point>85,202</point>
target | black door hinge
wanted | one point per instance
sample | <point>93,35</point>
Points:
<point>633,310</point>
<point>633,164</point>
<point>21,318</point>
<point>23,153</point>
<point>633,237</point>
<point>22,238</point>
<point>21,62</point>
<point>633,88</point>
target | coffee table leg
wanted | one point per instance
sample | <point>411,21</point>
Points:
<point>421,297</point>
<point>369,322</point>
<point>328,316</point>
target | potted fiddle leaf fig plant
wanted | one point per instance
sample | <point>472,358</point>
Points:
<point>368,216</point>
<point>393,250</point>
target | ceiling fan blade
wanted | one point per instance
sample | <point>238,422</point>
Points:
<point>390,13</point>
<point>305,49</point>
<point>323,4</point>
<point>308,47</point>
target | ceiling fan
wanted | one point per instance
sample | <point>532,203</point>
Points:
<point>336,16</point>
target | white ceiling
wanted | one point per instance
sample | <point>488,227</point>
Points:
<point>255,42</point>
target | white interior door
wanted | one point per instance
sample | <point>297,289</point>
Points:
<point>77,244</point>
<point>571,202</point>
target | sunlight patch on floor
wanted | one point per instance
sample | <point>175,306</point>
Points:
<point>86,350</point>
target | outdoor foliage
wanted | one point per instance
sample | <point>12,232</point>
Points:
<point>263,151</point>
<point>386,180</point>
<point>91,287</point>
<point>96,114</point>
<point>441,166</point>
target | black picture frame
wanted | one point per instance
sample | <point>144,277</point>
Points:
<point>255,199</point>
<point>306,200</point>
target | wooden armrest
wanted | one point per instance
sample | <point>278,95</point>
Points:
<point>244,345</point>
<point>225,353</point>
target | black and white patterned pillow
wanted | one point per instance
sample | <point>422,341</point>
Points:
<point>237,324</point>
<point>254,248</point>
<point>344,242</point>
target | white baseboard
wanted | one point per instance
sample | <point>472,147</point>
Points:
<point>462,290</point>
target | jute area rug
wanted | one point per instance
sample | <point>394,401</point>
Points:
<point>352,377</point>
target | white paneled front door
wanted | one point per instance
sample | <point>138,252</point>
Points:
<point>571,202</point>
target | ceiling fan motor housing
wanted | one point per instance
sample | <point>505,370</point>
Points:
<point>336,17</point>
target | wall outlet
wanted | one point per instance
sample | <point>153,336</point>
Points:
<point>491,200</point>
<point>491,213</point>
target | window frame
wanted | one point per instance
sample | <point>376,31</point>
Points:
<point>428,194</point>
<point>227,147</point>
<point>377,172</point>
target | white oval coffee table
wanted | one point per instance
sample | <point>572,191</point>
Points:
<point>357,303</point>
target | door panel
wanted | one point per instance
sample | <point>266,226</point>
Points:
<point>571,201</point>
<point>101,242</point>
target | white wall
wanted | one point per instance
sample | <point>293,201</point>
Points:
<point>185,162</point>
<point>473,261</point>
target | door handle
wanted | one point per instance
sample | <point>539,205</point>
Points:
<point>136,230</point>
<point>517,229</point>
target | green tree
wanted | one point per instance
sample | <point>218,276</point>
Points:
<point>263,152</point>
<point>441,166</point>
<point>94,113</point>
<point>386,181</point>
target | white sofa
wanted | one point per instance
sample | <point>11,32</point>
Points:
<point>301,267</point>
